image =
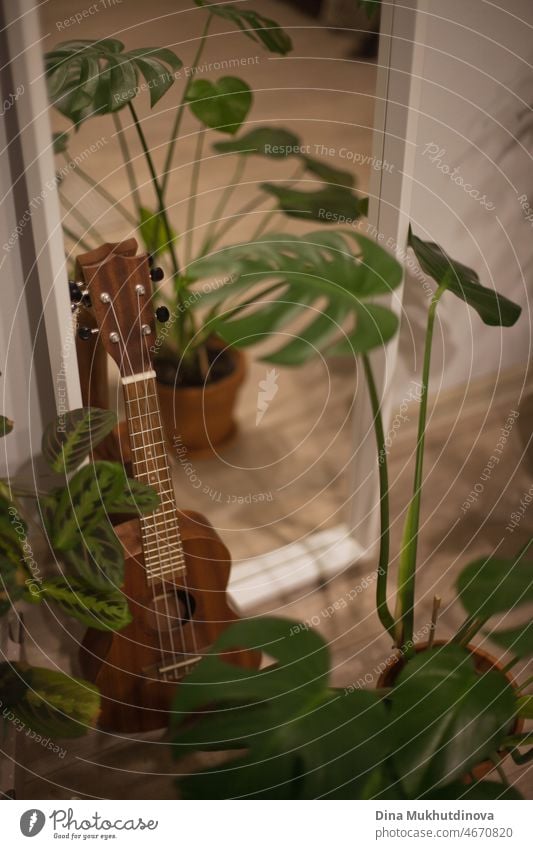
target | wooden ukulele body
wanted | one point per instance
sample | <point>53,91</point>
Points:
<point>124,664</point>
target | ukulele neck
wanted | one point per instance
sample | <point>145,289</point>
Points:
<point>162,547</point>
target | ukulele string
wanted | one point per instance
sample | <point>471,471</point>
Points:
<point>169,501</point>
<point>184,575</point>
<point>129,402</point>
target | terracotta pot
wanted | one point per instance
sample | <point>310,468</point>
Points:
<point>201,418</point>
<point>483,663</point>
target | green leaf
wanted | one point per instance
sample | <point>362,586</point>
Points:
<point>59,142</point>
<point>446,717</point>
<point>154,232</point>
<point>303,740</point>
<point>54,704</point>
<point>478,790</point>
<point>260,29</point>
<point>69,439</point>
<point>334,176</point>
<point>94,492</point>
<point>105,611</point>
<point>273,142</point>
<point>320,266</point>
<point>493,308</point>
<point>222,105</point>
<point>11,584</point>
<point>87,78</point>
<point>525,707</point>
<point>491,585</point>
<point>371,7</point>
<point>150,62</point>
<point>330,205</point>
<point>97,559</point>
<point>6,426</point>
<point>519,641</point>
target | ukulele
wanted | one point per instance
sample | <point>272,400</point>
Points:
<point>176,566</point>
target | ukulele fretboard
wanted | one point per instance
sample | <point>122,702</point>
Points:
<point>162,546</point>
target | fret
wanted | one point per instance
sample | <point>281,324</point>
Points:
<point>162,547</point>
<point>141,398</point>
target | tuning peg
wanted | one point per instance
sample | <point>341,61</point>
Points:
<point>162,314</point>
<point>156,274</point>
<point>85,333</point>
<point>75,292</point>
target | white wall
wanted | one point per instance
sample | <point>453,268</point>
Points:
<point>475,107</point>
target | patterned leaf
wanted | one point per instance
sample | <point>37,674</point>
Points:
<point>105,611</point>
<point>55,704</point>
<point>69,439</point>
<point>97,559</point>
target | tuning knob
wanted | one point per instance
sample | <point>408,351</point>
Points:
<point>85,333</point>
<point>156,274</point>
<point>75,292</point>
<point>162,314</point>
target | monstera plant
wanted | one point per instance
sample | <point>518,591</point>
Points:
<point>85,576</point>
<point>443,714</point>
<point>224,298</point>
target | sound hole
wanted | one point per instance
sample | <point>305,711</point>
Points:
<point>171,609</point>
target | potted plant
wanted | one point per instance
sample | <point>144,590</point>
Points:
<point>223,299</point>
<point>84,579</point>
<point>443,714</point>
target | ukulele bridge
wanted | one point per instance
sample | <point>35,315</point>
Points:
<point>173,671</point>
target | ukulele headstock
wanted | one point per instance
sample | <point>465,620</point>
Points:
<point>118,284</point>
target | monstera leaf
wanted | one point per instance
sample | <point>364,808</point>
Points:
<point>222,105</point>
<point>302,270</point>
<point>87,78</point>
<point>446,718</point>
<point>274,142</point>
<point>491,586</point>
<point>6,426</point>
<point>50,702</point>
<point>105,611</point>
<point>303,739</point>
<point>95,491</point>
<point>332,204</point>
<point>493,308</point>
<point>69,439</point>
<point>260,29</point>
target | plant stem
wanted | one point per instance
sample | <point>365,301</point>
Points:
<point>181,108</point>
<point>113,202</point>
<point>434,617</point>
<point>164,217</point>
<point>496,760</point>
<point>126,156</point>
<point>385,616</point>
<point>223,202</point>
<point>407,570</point>
<point>235,219</point>
<point>78,240</point>
<point>80,218</point>
<point>191,206</point>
